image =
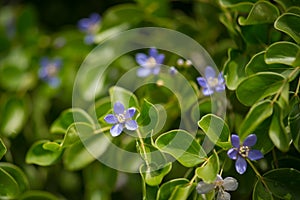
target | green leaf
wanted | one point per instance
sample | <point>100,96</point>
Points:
<point>174,189</point>
<point>182,146</point>
<point>288,3</point>
<point>154,178</point>
<point>277,132</point>
<point>101,107</point>
<point>282,52</point>
<point>216,130</point>
<point>17,174</point>
<point>79,154</point>
<point>40,156</point>
<point>261,12</point>
<point>2,149</point>
<point>14,116</point>
<point>237,5</point>
<point>258,86</point>
<point>282,183</point>
<point>9,187</point>
<point>234,68</point>
<point>258,64</point>
<point>256,115</point>
<point>67,118</point>
<point>37,195</point>
<point>289,24</point>
<point>260,192</point>
<point>294,123</point>
<point>124,96</point>
<point>103,35</point>
<point>208,172</point>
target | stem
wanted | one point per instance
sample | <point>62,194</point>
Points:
<point>275,158</point>
<point>101,130</point>
<point>259,176</point>
<point>284,83</point>
<point>221,171</point>
<point>193,179</point>
<point>142,147</point>
<point>297,89</point>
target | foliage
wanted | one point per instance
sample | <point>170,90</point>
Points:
<point>50,148</point>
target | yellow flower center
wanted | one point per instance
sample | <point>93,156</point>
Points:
<point>51,70</point>
<point>244,151</point>
<point>212,82</point>
<point>121,118</point>
<point>151,62</point>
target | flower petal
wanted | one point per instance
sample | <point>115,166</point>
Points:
<point>53,82</point>
<point>210,72</point>
<point>116,130</point>
<point>235,140</point>
<point>219,178</point>
<point>220,87</point>
<point>131,125</point>
<point>160,58</point>
<point>130,112</point>
<point>255,154</point>
<point>202,82</point>
<point>250,140</point>
<point>232,153</point>
<point>153,52</point>
<point>143,72</point>
<point>156,70</point>
<point>111,119</point>
<point>95,18</point>
<point>89,39</point>
<point>222,195</point>
<point>221,78</point>
<point>240,165</point>
<point>207,91</point>
<point>119,108</point>
<point>203,188</point>
<point>230,184</point>
<point>141,58</point>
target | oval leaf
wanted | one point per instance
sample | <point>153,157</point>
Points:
<point>2,149</point>
<point>282,52</point>
<point>216,130</point>
<point>258,86</point>
<point>40,156</point>
<point>168,190</point>
<point>208,172</point>
<point>289,24</point>
<point>9,187</point>
<point>182,146</point>
<point>294,123</point>
<point>154,178</point>
<point>256,115</point>
<point>277,131</point>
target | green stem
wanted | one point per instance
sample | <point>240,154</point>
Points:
<point>284,83</point>
<point>275,158</point>
<point>193,179</point>
<point>297,89</point>
<point>142,145</point>
<point>101,130</point>
<point>259,176</point>
<point>221,171</point>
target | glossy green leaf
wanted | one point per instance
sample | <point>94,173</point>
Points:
<point>288,3</point>
<point>17,174</point>
<point>282,183</point>
<point>105,34</point>
<point>289,24</point>
<point>2,149</point>
<point>124,96</point>
<point>242,6</point>
<point>154,178</point>
<point>234,68</point>
<point>216,130</point>
<point>256,115</point>
<point>258,64</point>
<point>182,146</point>
<point>294,124</point>
<point>82,153</point>
<point>260,192</point>
<point>37,195</point>
<point>9,187</point>
<point>40,156</point>
<point>174,189</point>
<point>277,132</point>
<point>258,86</point>
<point>68,117</point>
<point>282,52</point>
<point>101,107</point>
<point>261,12</point>
<point>208,172</point>
<point>14,116</point>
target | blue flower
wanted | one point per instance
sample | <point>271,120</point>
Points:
<point>211,83</point>
<point>173,70</point>
<point>149,64</point>
<point>48,71</point>
<point>90,26</point>
<point>241,152</point>
<point>221,185</point>
<point>121,119</point>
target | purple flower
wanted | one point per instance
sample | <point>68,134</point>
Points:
<point>149,64</point>
<point>211,83</point>
<point>241,152</point>
<point>48,71</point>
<point>221,185</point>
<point>121,119</point>
<point>173,70</point>
<point>90,26</point>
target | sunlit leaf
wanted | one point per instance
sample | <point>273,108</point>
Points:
<point>208,172</point>
<point>289,24</point>
<point>294,123</point>
<point>2,148</point>
<point>126,97</point>
<point>9,187</point>
<point>154,178</point>
<point>175,189</point>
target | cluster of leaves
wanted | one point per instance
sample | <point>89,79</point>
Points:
<point>262,80</point>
